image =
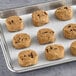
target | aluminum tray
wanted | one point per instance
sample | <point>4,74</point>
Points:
<point>10,54</point>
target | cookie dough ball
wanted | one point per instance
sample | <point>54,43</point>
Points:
<point>69,31</point>
<point>14,23</point>
<point>40,17</point>
<point>21,40</point>
<point>64,13</point>
<point>45,36</point>
<point>27,58</point>
<point>73,48</point>
<point>54,52</point>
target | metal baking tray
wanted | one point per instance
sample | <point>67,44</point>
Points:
<point>10,53</point>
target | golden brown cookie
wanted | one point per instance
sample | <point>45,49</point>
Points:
<point>14,23</point>
<point>45,36</point>
<point>73,48</point>
<point>27,58</point>
<point>64,13</point>
<point>40,17</point>
<point>21,40</point>
<point>54,52</point>
<point>69,31</point>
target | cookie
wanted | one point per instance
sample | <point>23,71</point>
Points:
<point>69,31</point>
<point>40,17</point>
<point>14,23</point>
<point>27,58</point>
<point>54,52</point>
<point>21,40</point>
<point>73,48</point>
<point>64,13</point>
<point>45,36</point>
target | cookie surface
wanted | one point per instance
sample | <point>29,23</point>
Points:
<point>69,31</point>
<point>73,48</point>
<point>21,40</point>
<point>27,58</point>
<point>54,52</point>
<point>14,23</point>
<point>45,36</point>
<point>64,13</point>
<point>40,17</point>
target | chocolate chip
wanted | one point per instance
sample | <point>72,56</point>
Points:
<point>22,59</point>
<point>46,32</point>
<point>9,22</point>
<point>24,55</point>
<point>52,31</point>
<point>12,21</point>
<point>22,39</point>
<point>47,50</point>
<point>38,15</point>
<point>45,13</point>
<point>69,26</point>
<point>16,42</point>
<point>71,30</point>
<point>20,19</point>
<point>65,7</point>
<point>31,55</point>
<point>51,48</point>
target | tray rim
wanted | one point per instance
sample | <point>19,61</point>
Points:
<point>8,61</point>
<point>39,5</point>
<point>26,6</point>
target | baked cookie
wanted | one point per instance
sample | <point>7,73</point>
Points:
<point>14,23</point>
<point>64,13</point>
<point>73,48</point>
<point>40,17</point>
<point>27,58</point>
<point>45,36</point>
<point>54,52</point>
<point>21,40</point>
<point>69,31</point>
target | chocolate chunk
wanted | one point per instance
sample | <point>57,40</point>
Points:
<point>31,55</point>
<point>65,7</point>
<point>45,13</point>
<point>24,55</point>
<point>51,48</point>
<point>12,21</point>
<point>20,19</point>
<point>47,50</point>
<point>69,26</point>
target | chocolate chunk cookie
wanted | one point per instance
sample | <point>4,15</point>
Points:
<point>27,58</point>
<point>21,40</point>
<point>40,17</point>
<point>14,23</point>
<point>54,52</point>
<point>69,31</point>
<point>45,36</point>
<point>64,13</point>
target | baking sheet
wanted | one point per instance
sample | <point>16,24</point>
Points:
<point>54,24</point>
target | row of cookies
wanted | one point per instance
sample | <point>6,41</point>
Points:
<point>44,36</point>
<point>23,40</point>
<point>39,18</point>
<point>52,52</point>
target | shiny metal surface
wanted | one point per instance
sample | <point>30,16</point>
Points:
<point>21,11</point>
<point>29,9</point>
